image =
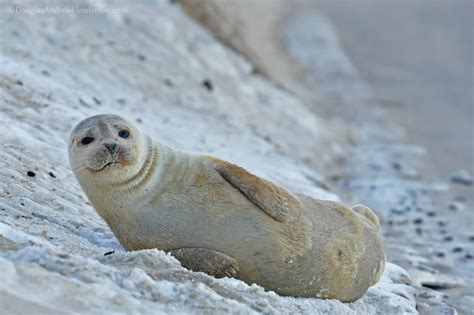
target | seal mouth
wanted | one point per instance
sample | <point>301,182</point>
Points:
<point>103,167</point>
<point>107,165</point>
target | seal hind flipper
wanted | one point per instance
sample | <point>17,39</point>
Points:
<point>208,261</point>
<point>368,213</point>
<point>278,203</point>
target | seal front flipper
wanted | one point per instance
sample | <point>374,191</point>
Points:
<point>208,261</point>
<point>278,203</point>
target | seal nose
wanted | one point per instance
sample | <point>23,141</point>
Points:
<point>111,146</point>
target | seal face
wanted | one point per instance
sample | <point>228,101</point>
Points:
<point>107,147</point>
<point>218,218</point>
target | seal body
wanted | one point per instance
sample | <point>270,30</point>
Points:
<point>218,218</point>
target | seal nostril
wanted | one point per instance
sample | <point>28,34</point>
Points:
<point>111,146</point>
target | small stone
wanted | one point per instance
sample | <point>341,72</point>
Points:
<point>471,238</point>
<point>208,84</point>
<point>84,103</point>
<point>441,223</point>
<point>141,57</point>
<point>448,239</point>
<point>439,284</point>
<point>457,249</point>
<point>52,174</point>
<point>139,120</point>
<point>440,254</point>
<point>430,213</point>
<point>31,173</point>
<point>468,256</point>
<point>462,177</point>
<point>455,206</point>
<point>19,82</point>
<point>168,82</point>
<point>418,221</point>
<point>96,100</point>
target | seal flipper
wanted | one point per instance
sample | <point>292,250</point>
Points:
<point>278,203</point>
<point>368,213</point>
<point>208,261</point>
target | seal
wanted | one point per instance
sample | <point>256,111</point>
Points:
<point>218,218</point>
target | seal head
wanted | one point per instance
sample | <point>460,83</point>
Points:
<point>107,147</point>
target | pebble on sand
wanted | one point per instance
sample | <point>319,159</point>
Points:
<point>462,177</point>
<point>455,206</point>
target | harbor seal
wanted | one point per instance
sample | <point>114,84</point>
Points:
<point>218,218</point>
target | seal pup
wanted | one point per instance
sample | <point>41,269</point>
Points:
<point>218,218</point>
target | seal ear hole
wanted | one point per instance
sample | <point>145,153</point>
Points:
<point>87,140</point>
<point>123,133</point>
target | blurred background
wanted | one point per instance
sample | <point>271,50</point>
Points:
<point>418,58</point>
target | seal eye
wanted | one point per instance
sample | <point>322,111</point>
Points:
<point>123,133</point>
<point>87,140</point>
